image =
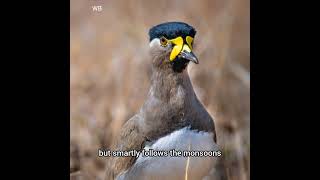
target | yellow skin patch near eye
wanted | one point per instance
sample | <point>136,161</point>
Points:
<point>178,43</point>
<point>186,48</point>
<point>189,40</point>
<point>180,46</point>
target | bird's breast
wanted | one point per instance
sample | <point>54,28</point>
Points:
<point>170,167</point>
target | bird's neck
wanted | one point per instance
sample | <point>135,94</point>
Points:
<point>169,105</point>
<point>168,85</point>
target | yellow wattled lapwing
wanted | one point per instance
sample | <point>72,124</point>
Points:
<point>171,117</point>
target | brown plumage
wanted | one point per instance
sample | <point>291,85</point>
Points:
<point>171,104</point>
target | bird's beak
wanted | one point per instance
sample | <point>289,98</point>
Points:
<point>186,53</point>
<point>189,56</point>
<point>183,50</point>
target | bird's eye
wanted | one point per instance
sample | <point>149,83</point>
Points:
<point>163,41</point>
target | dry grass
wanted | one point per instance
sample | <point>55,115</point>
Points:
<point>110,73</point>
<point>187,164</point>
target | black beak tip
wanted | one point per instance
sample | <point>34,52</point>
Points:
<point>195,61</point>
<point>190,56</point>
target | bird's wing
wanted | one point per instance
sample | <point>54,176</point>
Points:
<point>212,126</point>
<point>130,139</point>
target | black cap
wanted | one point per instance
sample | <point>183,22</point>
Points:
<point>171,30</point>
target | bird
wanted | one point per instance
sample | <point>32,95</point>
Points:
<point>171,117</point>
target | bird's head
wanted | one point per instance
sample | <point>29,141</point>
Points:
<point>171,45</point>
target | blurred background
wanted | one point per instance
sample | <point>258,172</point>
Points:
<point>110,73</point>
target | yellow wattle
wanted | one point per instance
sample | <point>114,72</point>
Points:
<point>178,44</point>
<point>189,40</point>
